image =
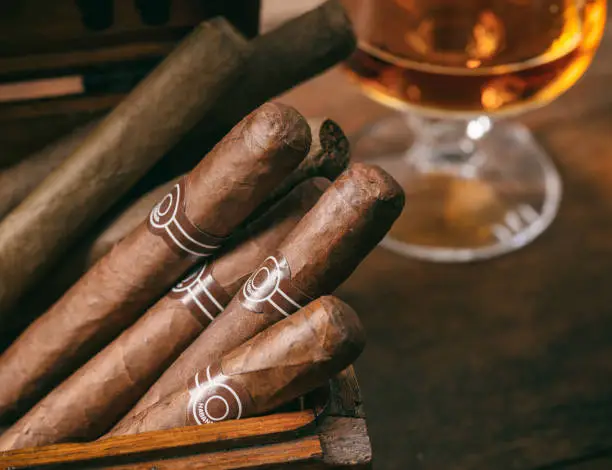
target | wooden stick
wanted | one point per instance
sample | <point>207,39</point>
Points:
<point>254,430</point>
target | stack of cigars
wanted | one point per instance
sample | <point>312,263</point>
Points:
<point>209,296</point>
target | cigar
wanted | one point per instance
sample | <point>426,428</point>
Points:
<point>108,385</point>
<point>80,258</point>
<point>328,157</point>
<point>187,225</point>
<point>127,143</point>
<point>281,59</point>
<point>321,252</point>
<point>287,360</point>
<point>19,179</point>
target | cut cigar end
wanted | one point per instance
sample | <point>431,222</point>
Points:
<point>334,150</point>
<point>335,143</point>
<point>275,124</point>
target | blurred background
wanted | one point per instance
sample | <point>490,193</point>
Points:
<point>500,364</point>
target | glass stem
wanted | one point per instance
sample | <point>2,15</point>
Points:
<point>447,145</point>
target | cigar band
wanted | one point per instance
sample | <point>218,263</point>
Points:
<point>168,220</point>
<point>201,294</point>
<point>269,289</point>
<point>216,397</point>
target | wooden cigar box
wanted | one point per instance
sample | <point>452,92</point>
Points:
<point>66,62</point>
<point>326,429</point>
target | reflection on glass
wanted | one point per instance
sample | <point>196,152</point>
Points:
<point>474,189</point>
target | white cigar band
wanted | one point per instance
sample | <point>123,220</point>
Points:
<point>215,397</point>
<point>201,294</point>
<point>169,221</point>
<point>269,289</point>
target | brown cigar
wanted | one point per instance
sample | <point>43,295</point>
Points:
<point>19,179</point>
<point>326,246</point>
<point>281,59</point>
<point>290,358</point>
<point>108,385</point>
<point>186,226</point>
<point>126,144</point>
<point>328,157</point>
<point>80,258</point>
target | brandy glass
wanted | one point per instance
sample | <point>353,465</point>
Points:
<point>475,187</point>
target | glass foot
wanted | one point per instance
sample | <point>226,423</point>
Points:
<point>485,191</point>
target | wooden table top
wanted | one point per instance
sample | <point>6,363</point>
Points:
<point>503,364</point>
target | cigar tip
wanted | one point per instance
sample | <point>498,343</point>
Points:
<point>334,156</point>
<point>346,320</point>
<point>368,182</point>
<point>280,124</point>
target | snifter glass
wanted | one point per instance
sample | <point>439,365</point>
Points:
<point>475,188</point>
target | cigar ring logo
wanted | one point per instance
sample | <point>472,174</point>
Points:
<point>214,400</point>
<point>264,282</point>
<point>270,288</point>
<point>168,219</point>
<point>164,207</point>
<point>159,217</point>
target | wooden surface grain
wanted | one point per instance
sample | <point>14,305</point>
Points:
<point>503,364</point>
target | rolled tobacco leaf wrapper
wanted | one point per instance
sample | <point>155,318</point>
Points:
<point>19,179</point>
<point>290,358</point>
<point>281,59</point>
<point>125,145</point>
<point>328,157</point>
<point>109,384</point>
<point>326,246</point>
<point>80,258</point>
<point>189,224</point>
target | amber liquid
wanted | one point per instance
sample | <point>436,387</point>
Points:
<point>473,56</point>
